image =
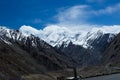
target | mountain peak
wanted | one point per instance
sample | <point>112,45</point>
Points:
<point>28,30</point>
<point>56,35</point>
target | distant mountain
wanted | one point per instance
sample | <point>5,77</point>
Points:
<point>26,54</point>
<point>85,47</point>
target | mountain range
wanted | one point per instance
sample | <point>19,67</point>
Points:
<point>23,55</point>
<point>31,51</point>
<point>84,47</point>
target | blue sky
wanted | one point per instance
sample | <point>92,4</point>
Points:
<point>39,13</point>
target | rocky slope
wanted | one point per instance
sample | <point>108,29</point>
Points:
<point>111,56</point>
<point>87,56</point>
<point>23,55</point>
<point>110,61</point>
<point>85,47</point>
<point>15,62</point>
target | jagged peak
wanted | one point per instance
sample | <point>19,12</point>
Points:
<point>56,35</point>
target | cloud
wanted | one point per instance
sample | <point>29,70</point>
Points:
<point>108,10</point>
<point>75,13</point>
<point>78,17</point>
<point>74,17</point>
<point>81,14</point>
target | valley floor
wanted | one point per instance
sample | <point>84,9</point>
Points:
<point>106,77</point>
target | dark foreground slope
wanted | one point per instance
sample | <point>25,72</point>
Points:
<point>24,55</point>
<point>15,62</point>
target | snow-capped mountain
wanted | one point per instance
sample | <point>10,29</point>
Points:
<point>43,53</point>
<point>25,49</point>
<point>85,47</point>
<point>56,36</point>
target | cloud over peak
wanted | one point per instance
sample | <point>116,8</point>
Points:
<point>74,14</point>
<point>108,10</point>
<point>83,15</point>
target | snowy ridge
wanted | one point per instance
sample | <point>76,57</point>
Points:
<point>56,35</point>
<point>10,36</point>
<point>7,35</point>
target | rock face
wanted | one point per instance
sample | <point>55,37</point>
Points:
<point>111,56</point>
<point>85,48</point>
<point>15,62</point>
<point>87,56</point>
<point>23,55</point>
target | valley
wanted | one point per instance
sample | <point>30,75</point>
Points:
<point>59,39</point>
<point>27,56</point>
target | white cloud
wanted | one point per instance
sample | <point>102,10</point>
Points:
<point>78,17</point>
<point>108,10</point>
<point>76,14</point>
<point>81,13</point>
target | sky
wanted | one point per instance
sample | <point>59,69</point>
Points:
<point>70,13</point>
